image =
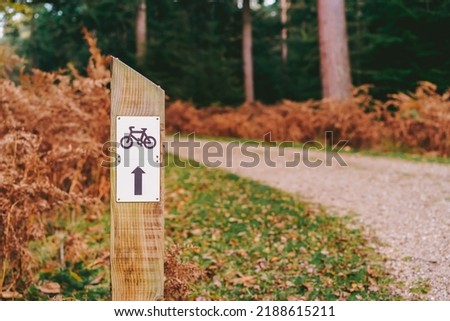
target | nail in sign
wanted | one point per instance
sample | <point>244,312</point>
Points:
<point>138,159</point>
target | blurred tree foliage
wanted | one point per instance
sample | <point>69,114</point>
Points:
<point>55,36</point>
<point>194,46</point>
<point>396,43</point>
<point>195,50</point>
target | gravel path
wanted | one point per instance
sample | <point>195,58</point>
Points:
<point>406,204</point>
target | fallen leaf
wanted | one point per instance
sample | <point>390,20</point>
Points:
<point>372,281</point>
<point>374,288</point>
<point>50,288</point>
<point>280,225</point>
<point>308,286</point>
<point>10,295</point>
<point>245,280</point>
<point>58,297</point>
<point>196,232</point>
<point>216,281</point>
<point>296,298</point>
<point>100,261</point>
<point>289,284</point>
<point>98,279</point>
<point>76,276</point>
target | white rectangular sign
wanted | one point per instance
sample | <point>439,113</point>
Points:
<point>138,168</point>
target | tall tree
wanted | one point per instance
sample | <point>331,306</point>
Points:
<point>284,4</point>
<point>247,54</point>
<point>333,44</point>
<point>141,32</point>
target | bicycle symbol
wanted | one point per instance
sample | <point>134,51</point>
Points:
<point>146,140</point>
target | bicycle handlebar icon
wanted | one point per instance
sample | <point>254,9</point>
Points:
<point>149,142</point>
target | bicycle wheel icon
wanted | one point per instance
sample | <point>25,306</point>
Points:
<point>126,142</point>
<point>149,142</point>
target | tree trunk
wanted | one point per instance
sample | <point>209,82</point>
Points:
<point>284,32</point>
<point>141,32</point>
<point>334,58</point>
<point>247,55</point>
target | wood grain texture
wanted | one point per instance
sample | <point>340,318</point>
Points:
<point>137,229</point>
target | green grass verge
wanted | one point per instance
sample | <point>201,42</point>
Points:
<point>253,242</point>
<point>73,256</point>
<point>258,243</point>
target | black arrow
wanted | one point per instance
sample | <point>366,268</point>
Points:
<point>138,180</point>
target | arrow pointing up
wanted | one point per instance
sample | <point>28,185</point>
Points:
<point>138,180</point>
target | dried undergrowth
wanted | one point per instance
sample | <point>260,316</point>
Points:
<point>51,136</point>
<point>417,122</point>
<point>52,129</point>
<point>179,275</point>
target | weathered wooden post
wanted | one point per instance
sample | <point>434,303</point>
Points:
<point>137,186</point>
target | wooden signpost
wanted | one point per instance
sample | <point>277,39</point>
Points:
<point>137,186</point>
